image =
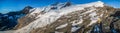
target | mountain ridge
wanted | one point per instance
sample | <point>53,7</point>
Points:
<point>83,18</point>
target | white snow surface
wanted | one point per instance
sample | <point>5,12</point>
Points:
<point>52,15</point>
<point>79,22</point>
<point>58,32</point>
<point>74,29</point>
<point>62,26</point>
<point>35,10</point>
<point>94,18</point>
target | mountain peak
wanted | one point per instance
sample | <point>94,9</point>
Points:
<point>95,4</point>
<point>100,2</point>
<point>27,9</point>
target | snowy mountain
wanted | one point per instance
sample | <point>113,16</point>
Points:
<point>67,18</point>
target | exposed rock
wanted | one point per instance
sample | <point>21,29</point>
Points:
<point>26,10</point>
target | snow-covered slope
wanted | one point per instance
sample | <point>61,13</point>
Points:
<point>74,15</point>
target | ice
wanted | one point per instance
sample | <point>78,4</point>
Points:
<point>62,26</point>
<point>74,29</point>
<point>79,22</point>
<point>58,32</point>
<point>94,18</point>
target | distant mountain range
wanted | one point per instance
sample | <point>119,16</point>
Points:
<point>94,17</point>
<point>9,20</point>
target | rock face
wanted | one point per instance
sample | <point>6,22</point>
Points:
<point>85,18</point>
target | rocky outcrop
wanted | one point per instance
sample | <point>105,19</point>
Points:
<point>23,21</point>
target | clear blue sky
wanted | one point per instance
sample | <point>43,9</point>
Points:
<point>15,5</point>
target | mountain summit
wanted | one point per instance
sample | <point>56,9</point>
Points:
<point>67,18</point>
<point>26,10</point>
